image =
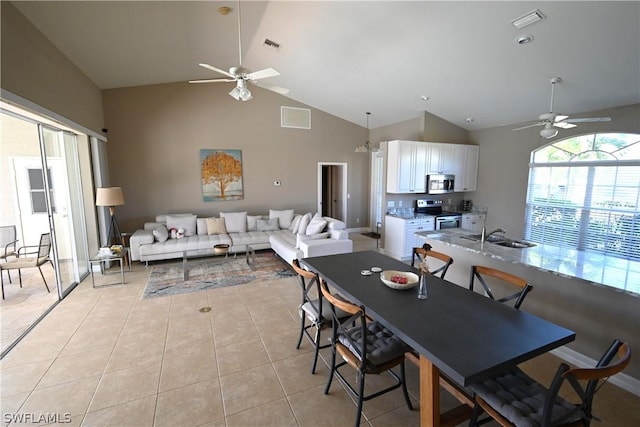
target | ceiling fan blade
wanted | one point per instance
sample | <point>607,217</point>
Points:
<point>263,74</point>
<point>564,125</point>
<point>217,70</point>
<point>212,80</point>
<point>276,89</point>
<point>589,119</point>
<point>559,118</point>
<point>530,126</point>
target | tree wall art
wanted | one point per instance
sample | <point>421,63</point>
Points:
<point>221,172</point>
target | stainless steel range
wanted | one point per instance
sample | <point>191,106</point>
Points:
<point>444,219</point>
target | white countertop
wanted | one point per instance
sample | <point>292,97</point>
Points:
<point>588,266</point>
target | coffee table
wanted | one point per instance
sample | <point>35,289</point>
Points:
<point>211,252</point>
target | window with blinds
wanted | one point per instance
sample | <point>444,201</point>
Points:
<point>584,194</point>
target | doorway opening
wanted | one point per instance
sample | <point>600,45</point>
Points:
<point>332,190</point>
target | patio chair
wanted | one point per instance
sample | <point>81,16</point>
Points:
<point>514,399</point>
<point>23,260</point>
<point>425,252</point>
<point>480,273</point>
<point>366,346</point>
<point>8,243</point>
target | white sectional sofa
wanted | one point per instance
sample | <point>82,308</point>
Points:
<point>291,236</point>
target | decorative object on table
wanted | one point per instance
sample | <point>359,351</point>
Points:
<point>221,173</point>
<point>116,249</point>
<point>111,197</point>
<point>105,252</point>
<point>399,279</point>
<point>424,273</point>
<point>167,279</point>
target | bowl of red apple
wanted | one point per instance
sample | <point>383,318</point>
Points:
<point>399,279</point>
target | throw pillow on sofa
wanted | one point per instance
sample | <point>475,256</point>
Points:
<point>295,224</point>
<point>216,226</point>
<point>284,217</point>
<point>187,222</point>
<point>160,233</point>
<point>268,224</point>
<point>304,223</point>
<point>235,222</point>
<point>251,222</point>
<point>316,226</point>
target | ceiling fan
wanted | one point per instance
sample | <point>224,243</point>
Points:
<point>242,75</point>
<point>552,120</point>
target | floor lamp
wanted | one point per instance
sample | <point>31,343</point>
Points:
<point>111,197</point>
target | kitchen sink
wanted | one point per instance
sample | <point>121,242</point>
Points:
<point>501,241</point>
<point>491,239</point>
<point>519,244</point>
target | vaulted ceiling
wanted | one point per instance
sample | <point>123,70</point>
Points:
<point>349,57</point>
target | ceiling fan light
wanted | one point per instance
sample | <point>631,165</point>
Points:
<point>241,92</point>
<point>548,132</point>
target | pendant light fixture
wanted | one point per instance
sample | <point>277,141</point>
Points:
<point>367,147</point>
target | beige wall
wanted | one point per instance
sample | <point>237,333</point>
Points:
<point>156,133</point>
<point>36,70</point>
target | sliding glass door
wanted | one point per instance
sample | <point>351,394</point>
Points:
<point>40,192</point>
<point>66,219</point>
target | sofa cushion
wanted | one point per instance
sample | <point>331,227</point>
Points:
<point>284,217</point>
<point>235,222</point>
<point>301,237</point>
<point>267,224</point>
<point>304,223</point>
<point>317,225</point>
<point>160,233</point>
<point>335,224</point>
<point>251,222</point>
<point>216,226</point>
<point>186,222</point>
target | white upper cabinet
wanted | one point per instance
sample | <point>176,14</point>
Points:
<point>466,167</point>
<point>406,167</point>
<point>409,162</point>
<point>441,158</point>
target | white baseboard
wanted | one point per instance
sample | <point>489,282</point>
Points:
<point>622,380</point>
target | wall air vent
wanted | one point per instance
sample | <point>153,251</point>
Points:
<point>271,43</point>
<point>297,118</point>
<point>528,19</point>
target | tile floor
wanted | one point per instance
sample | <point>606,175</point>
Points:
<point>105,357</point>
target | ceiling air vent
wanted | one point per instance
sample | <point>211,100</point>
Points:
<point>528,19</point>
<point>271,43</point>
<point>298,118</point>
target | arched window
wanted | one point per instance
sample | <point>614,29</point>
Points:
<point>584,194</point>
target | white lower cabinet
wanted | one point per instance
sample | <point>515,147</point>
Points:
<point>399,235</point>
<point>473,222</point>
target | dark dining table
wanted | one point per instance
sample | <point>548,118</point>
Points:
<point>459,333</point>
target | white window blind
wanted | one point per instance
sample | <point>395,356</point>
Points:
<point>584,194</point>
<point>586,206</point>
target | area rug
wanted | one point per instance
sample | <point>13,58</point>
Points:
<point>214,272</point>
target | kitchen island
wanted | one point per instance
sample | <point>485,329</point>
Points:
<point>592,267</point>
<point>568,290</point>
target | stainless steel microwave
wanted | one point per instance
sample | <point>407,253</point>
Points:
<point>440,183</point>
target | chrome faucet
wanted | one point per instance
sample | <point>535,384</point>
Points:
<point>497,230</point>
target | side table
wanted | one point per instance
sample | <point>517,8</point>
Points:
<point>121,257</point>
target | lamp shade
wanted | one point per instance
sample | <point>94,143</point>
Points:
<point>109,196</point>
